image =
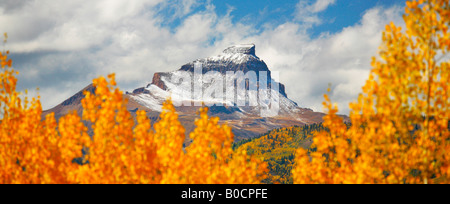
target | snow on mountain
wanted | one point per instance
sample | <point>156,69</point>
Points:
<point>237,54</point>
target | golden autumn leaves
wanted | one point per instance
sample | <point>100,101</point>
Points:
<point>400,124</point>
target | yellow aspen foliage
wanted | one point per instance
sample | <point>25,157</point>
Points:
<point>400,124</point>
<point>31,149</point>
<point>211,158</point>
<point>169,136</point>
<point>110,150</point>
<point>120,150</point>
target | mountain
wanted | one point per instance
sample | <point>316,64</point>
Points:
<point>237,86</point>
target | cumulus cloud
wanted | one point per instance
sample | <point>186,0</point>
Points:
<point>60,46</point>
<point>321,5</point>
<point>342,59</point>
<point>178,8</point>
<point>306,11</point>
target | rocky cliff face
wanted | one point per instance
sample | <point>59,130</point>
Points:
<point>157,81</point>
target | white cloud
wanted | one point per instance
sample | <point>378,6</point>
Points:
<point>307,12</point>
<point>321,5</point>
<point>179,8</point>
<point>60,46</point>
<point>342,59</point>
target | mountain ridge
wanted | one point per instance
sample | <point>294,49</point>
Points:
<point>246,121</point>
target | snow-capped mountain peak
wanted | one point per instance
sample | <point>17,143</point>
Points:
<point>238,54</point>
<point>236,58</point>
<point>248,49</point>
<point>250,81</point>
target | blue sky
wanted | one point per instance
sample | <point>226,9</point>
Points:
<point>60,46</point>
<point>337,16</point>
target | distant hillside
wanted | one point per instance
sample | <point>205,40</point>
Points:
<point>278,148</point>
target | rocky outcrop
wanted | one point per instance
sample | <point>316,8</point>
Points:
<point>141,90</point>
<point>157,81</point>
